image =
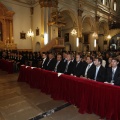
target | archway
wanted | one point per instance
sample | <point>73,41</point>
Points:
<point>103,30</point>
<point>87,30</point>
<point>114,43</point>
<point>71,24</point>
<point>37,47</point>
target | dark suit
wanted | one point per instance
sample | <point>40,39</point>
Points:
<point>70,68</point>
<point>77,69</point>
<point>90,72</point>
<point>51,64</point>
<point>44,65</point>
<point>60,67</point>
<point>101,74</point>
<point>116,75</point>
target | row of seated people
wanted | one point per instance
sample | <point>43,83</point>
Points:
<point>90,68</point>
<point>18,59</point>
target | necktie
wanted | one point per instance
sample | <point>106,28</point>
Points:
<point>56,66</point>
<point>66,67</point>
<point>96,73</point>
<point>77,64</point>
<point>48,62</point>
<point>87,70</point>
<point>113,73</point>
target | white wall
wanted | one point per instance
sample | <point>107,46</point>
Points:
<point>21,22</point>
<point>37,23</point>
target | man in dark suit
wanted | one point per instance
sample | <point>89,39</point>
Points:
<point>77,69</point>
<point>59,64</point>
<point>64,57</point>
<point>69,65</point>
<point>113,73</point>
<point>51,63</point>
<point>45,61</point>
<point>100,70</point>
<point>89,69</point>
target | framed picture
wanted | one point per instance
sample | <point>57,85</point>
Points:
<point>37,32</point>
<point>22,35</point>
<point>66,37</point>
<point>105,42</point>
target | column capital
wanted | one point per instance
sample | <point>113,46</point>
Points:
<point>80,11</point>
<point>97,18</point>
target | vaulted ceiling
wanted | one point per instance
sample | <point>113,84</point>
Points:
<point>29,2</point>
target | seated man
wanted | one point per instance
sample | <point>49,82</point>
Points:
<point>89,69</point>
<point>45,61</point>
<point>113,73</point>
<point>59,64</point>
<point>52,62</point>
<point>69,65</point>
<point>77,69</point>
<point>100,70</point>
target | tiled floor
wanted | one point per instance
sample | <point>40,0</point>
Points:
<point>19,102</point>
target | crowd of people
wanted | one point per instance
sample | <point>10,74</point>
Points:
<point>98,66</point>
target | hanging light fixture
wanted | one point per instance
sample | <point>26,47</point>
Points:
<point>95,35</point>
<point>30,33</point>
<point>109,37</point>
<point>74,32</point>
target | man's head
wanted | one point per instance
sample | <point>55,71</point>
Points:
<point>59,57</point>
<point>78,58</point>
<point>69,57</point>
<point>89,59</point>
<point>65,55</point>
<point>97,61</point>
<point>51,55</point>
<point>44,55</point>
<point>114,62</point>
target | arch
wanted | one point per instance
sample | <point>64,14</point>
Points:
<point>71,13</point>
<point>37,47</point>
<point>89,23</point>
<point>103,27</point>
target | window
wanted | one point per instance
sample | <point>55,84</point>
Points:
<point>115,6</point>
<point>103,2</point>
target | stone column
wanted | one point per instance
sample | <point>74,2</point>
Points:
<point>11,31</point>
<point>80,28</point>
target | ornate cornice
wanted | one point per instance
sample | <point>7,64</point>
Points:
<point>48,3</point>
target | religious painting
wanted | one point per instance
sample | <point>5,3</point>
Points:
<point>1,37</point>
<point>37,31</point>
<point>22,35</point>
<point>66,37</point>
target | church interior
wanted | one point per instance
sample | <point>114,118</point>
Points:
<point>39,27</point>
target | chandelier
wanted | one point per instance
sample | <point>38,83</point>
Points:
<point>109,37</point>
<point>74,32</point>
<point>30,33</point>
<point>95,35</point>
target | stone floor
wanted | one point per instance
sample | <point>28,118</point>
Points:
<point>19,102</point>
